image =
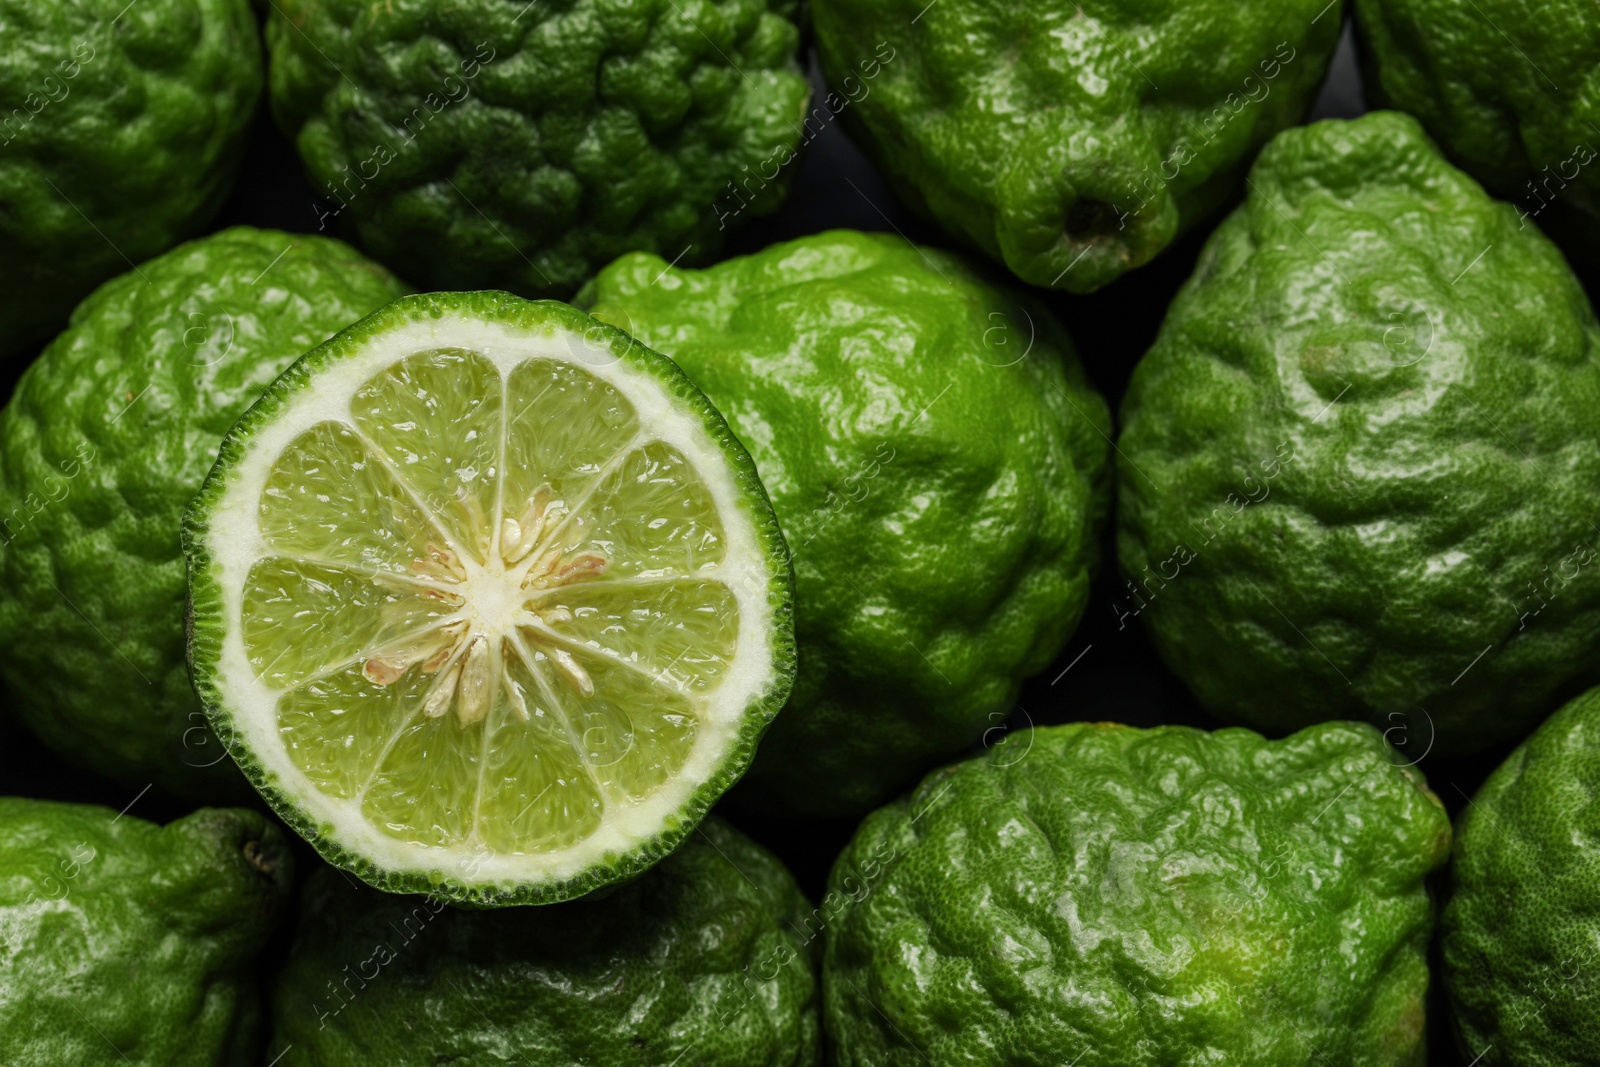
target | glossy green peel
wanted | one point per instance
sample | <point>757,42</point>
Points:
<point>485,144</point>
<point>1071,141</point>
<point>1113,897</point>
<point>1519,933</point>
<point>1511,93</point>
<point>939,463</point>
<point>702,960</point>
<point>102,446</point>
<point>1358,466</point>
<point>121,131</point>
<point>128,944</point>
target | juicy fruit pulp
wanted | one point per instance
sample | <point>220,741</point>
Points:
<point>496,603</point>
<point>1520,939</point>
<point>1359,461</point>
<point>445,603</point>
<point>106,441</point>
<point>1113,897</point>
<point>940,465</point>
<point>704,960</point>
<point>128,944</point>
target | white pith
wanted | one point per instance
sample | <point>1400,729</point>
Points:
<point>234,541</point>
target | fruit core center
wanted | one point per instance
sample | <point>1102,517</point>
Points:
<point>499,621</point>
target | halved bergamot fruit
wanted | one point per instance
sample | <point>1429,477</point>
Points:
<point>487,600</point>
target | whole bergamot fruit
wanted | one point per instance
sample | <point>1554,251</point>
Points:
<point>703,960</point>
<point>131,944</point>
<point>121,133</point>
<point>1511,93</point>
<point>1071,141</point>
<point>1358,466</point>
<point>939,464</point>
<point>107,438</point>
<point>1521,930</point>
<point>521,146</point>
<point>1111,897</point>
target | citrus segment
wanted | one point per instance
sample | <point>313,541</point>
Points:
<point>565,424</point>
<point>359,609</point>
<point>680,630</point>
<point>452,464</point>
<point>488,600</point>
<point>331,497</point>
<point>335,728</point>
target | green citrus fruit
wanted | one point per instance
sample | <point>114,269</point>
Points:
<point>488,601</point>
<point>121,130</point>
<point>939,463</point>
<point>127,944</point>
<point>703,961</point>
<point>1113,897</point>
<point>1511,93</point>
<point>484,143</point>
<point>1359,463</point>
<point>1071,141</point>
<point>1521,937</point>
<point>103,445</point>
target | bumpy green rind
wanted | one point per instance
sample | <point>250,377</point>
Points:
<point>208,623</point>
<point>121,131</point>
<point>1358,467</point>
<point>1112,897</point>
<point>103,445</point>
<point>700,961</point>
<point>520,146</point>
<point>1520,931</point>
<point>1071,141</point>
<point>1512,94</point>
<point>940,466</point>
<point>128,944</point>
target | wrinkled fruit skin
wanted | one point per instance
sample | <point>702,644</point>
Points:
<point>1117,897</point>
<point>938,462</point>
<point>1358,464</point>
<point>121,132</point>
<point>126,944</point>
<point>104,443</point>
<point>1519,933</point>
<point>704,957</point>
<point>1512,94</point>
<point>482,144</point>
<point>1070,141</point>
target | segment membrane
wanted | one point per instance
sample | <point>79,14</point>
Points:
<point>682,631</point>
<point>537,794</point>
<point>564,426</point>
<point>329,498</point>
<point>650,517</point>
<point>633,733</point>
<point>303,618</point>
<point>335,728</point>
<point>423,789</point>
<point>436,415</point>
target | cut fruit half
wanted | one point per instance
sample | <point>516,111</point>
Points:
<point>487,600</point>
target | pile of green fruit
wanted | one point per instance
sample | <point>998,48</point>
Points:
<point>492,599</point>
